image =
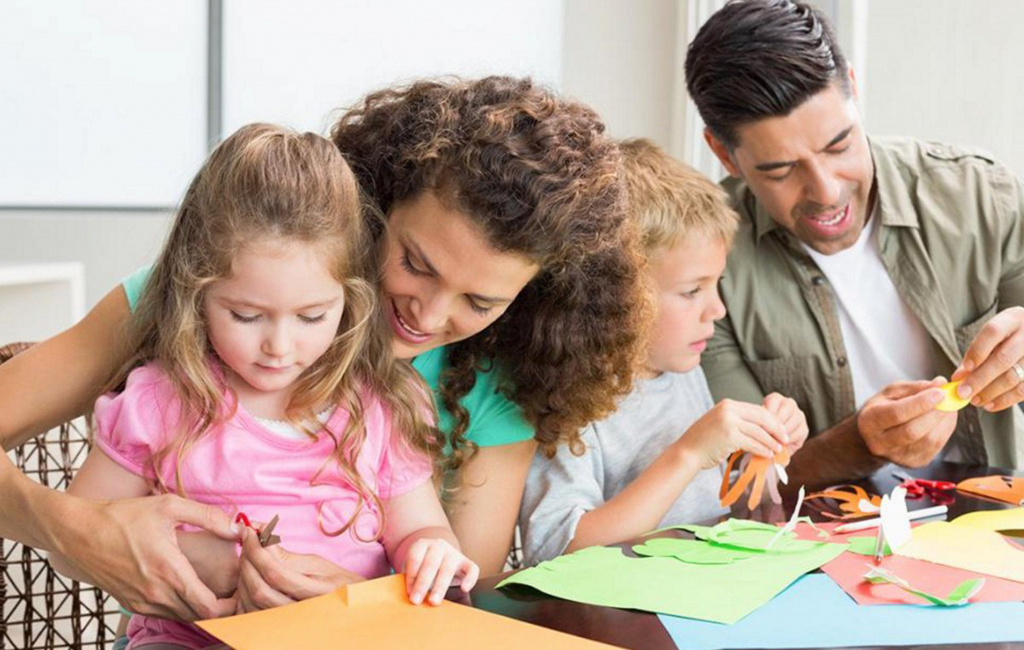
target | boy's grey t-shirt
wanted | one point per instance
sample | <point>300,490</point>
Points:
<point>559,491</point>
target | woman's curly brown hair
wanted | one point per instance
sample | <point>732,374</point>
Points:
<point>541,178</point>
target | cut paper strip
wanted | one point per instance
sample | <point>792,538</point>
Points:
<point>961,594</point>
<point>723,593</point>
<point>966,547</point>
<point>838,621</point>
<point>755,472</point>
<point>377,614</point>
<point>1007,489</point>
<point>852,501</point>
<point>951,400</point>
<point>847,571</point>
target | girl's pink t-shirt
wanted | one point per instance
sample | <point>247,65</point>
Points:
<point>241,465</point>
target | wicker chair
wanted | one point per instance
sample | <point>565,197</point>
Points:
<point>38,607</point>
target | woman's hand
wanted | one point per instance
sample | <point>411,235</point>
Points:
<point>432,565</point>
<point>272,576</point>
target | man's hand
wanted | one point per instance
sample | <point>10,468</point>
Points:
<point>902,425</point>
<point>129,549</point>
<point>271,577</point>
<point>993,367</point>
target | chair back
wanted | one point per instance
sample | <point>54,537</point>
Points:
<point>40,608</point>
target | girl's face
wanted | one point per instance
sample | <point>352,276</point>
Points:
<point>272,318</point>
<point>443,282</point>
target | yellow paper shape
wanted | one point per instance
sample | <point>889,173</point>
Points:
<point>952,401</point>
<point>995,520</point>
<point>966,547</point>
<point>378,614</point>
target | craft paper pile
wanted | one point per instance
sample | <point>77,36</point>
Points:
<point>722,578</point>
<point>815,613</point>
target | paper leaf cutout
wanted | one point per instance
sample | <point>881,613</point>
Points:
<point>756,536</point>
<point>690,551</point>
<point>853,502</point>
<point>1007,489</point>
<point>755,472</point>
<point>865,545</point>
<point>960,595</point>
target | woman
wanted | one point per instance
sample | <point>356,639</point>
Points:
<point>509,275</point>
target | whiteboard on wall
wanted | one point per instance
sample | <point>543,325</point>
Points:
<point>104,101</point>
<point>296,63</point>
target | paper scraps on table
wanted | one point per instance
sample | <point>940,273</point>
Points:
<point>733,575</point>
<point>961,594</point>
<point>847,571</point>
<point>951,400</point>
<point>835,620</point>
<point>377,614</point>
<point>756,472</point>
<point>1006,489</point>
<point>852,502</point>
<point>971,542</point>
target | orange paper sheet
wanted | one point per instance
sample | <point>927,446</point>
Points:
<point>1008,489</point>
<point>377,614</point>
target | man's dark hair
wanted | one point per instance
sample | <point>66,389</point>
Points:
<point>760,58</point>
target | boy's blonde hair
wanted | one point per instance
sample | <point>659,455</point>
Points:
<point>269,182</point>
<point>670,200</point>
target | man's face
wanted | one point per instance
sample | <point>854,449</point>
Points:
<point>811,170</point>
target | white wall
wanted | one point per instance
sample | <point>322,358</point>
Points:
<point>948,70</point>
<point>620,57</point>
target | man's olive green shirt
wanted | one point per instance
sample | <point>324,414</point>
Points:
<point>952,241</point>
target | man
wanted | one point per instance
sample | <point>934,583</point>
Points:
<point>862,268</point>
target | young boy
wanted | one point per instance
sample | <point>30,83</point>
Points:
<point>657,460</point>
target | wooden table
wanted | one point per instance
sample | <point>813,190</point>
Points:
<point>641,630</point>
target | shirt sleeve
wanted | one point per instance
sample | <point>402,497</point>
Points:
<point>402,467</point>
<point>134,284</point>
<point>558,492</point>
<point>131,426</point>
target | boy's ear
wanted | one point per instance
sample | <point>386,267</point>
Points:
<point>722,153</point>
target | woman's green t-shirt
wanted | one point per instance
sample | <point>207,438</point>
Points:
<point>493,418</point>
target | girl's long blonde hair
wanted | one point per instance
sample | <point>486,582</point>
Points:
<point>268,182</point>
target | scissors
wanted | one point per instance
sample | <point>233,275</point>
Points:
<point>940,492</point>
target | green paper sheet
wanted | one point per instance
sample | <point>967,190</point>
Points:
<point>723,593</point>
<point>692,551</point>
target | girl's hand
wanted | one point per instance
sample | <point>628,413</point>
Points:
<point>787,412</point>
<point>431,565</point>
<point>271,577</point>
<point>732,425</point>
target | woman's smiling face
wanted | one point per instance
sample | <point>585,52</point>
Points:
<point>442,281</point>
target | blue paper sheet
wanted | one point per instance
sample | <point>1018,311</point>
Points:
<point>814,612</point>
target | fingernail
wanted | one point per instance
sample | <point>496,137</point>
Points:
<point>989,406</point>
<point>964,391</point>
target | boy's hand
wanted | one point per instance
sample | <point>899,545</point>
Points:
<point>787,412</point>
<point>732,425</point>
<point>432,565</point>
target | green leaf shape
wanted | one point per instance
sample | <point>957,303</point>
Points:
<point>865,545</point>
<point>755,536</point>
<point>691,551</point>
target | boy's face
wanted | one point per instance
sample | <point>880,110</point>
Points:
<point>685,279</point>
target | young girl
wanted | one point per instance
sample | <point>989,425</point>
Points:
<point>263,382</point>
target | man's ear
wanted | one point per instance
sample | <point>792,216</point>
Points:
<point>853,83</point>
<point>722,153</point>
